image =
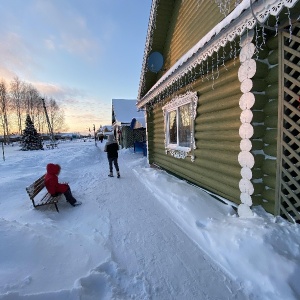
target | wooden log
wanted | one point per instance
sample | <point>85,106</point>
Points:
<point>226,75</point>
<point>246,131</point>
<point>158,135</point>
<point>159,128</point>
<point>257,200</point>
<point>158,142</point>
<point>263,53</point>
<point>246,186</point>
<point>257,173</point>
<point>271,108</point>
<point>246,173</point>
<point>269,195</point>
<point>258,160</point>
<point>269,167</point>
<point>270,136</point>
<point>272,91</point>
<point>258,187</point>
<point>246,159</point>
<point>246,199</point>
<point>226,103</point>
<point>200,174</point>
<point>225,169</point>
<point>218,156</point>
<point>272,43</point>
<point>247,101</point>
<point>259,131</point>
<point>259,84</point>
<point>246,86</point>
<point>222,135</point>
<point>268,206</point>
<point>260,101</point>
<point>217,126</point>
<point>273,57</point>
<point>271,122</point>
<point>246,116</point>
<point>257,144</point>
<point>245,145</point>
<point>247,52</point>
<point>271,150</point>
<point>269,181</point>
<point>262,70</point>
<point>258,116</point>
<point>216,145</point>
<point>159,147</point>
<point>220,115</point>
<point>229,170</point>
<point>228,90</point>
<point>273,75</point>
<point>247,70</point>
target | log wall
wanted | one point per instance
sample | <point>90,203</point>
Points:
<point>216,167</point>
<point>265,152</point>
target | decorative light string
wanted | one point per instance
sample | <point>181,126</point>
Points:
<point>188,72</point>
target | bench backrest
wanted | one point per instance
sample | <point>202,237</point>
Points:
<point>36,187</point>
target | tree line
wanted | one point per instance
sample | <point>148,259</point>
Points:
<point>19,99</point>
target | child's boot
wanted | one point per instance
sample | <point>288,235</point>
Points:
<point>118,174</point>
<point>111,174</point>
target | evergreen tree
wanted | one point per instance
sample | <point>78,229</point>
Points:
<point>31,140</point>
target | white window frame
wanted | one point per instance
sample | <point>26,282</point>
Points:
<point>175,150</point>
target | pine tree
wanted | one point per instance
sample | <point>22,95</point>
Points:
<point>31,140</point>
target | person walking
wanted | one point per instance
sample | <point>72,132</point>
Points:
<point>112,148</point>
<point>55,188</point>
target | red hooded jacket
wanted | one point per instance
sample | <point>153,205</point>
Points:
<point>51,180</point>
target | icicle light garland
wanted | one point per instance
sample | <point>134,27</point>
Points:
<point>226,32</point>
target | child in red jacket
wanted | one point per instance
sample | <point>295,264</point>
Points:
<point>55,188</point>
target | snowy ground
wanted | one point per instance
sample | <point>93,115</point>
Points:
<point>146,235</point>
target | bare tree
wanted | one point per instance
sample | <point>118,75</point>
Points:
<point>40,119</point>
<point>4,102</point>
<point>17,96</point>
<point>32,98</point>
<point>56,115</point>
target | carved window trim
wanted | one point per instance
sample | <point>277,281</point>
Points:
<point>177,151</point>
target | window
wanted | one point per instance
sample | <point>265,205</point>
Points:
<point>179,116</point>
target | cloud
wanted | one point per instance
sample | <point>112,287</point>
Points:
<point>81,110</point>
<point>50,43</point>
<point>58,92</point>
<point>69,29</point>
<point>15,55</point>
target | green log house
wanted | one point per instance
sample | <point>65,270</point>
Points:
<point>223,107</point>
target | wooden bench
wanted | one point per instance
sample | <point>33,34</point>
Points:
<point>35,188</point>
<point>51,146</point>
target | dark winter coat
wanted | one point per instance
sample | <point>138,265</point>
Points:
<point>111,147</point>
<point>51,180</point>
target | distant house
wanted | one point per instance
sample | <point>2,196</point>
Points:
<point>222,108</point>
<point>128,123</point>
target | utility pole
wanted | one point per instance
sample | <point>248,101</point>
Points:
<point>94,134</point>
<point>48,121</point>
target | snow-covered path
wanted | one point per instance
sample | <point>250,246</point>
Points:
<point>120,244</point>
<point>147,235</point>
<point>150,247</point>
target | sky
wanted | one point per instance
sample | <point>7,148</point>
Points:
<point>83,53</point>
<point>146,235</point>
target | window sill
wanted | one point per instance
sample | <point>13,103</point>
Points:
<point>179,152</point>
<point>179,148</point>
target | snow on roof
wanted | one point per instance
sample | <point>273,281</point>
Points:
<point>125,110</point>
<point>108,127</point>
<point>236,23</point>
